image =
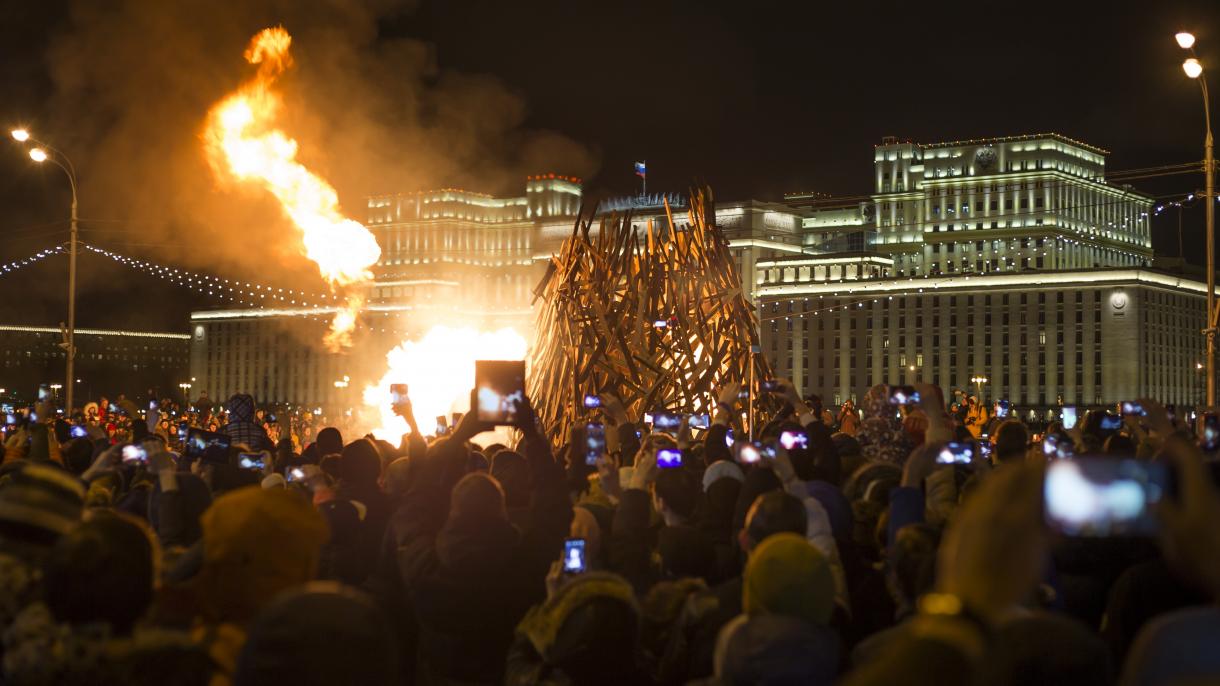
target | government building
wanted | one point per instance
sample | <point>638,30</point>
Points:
<point>1006,266</point>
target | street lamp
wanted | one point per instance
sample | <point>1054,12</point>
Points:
<point>1194,69</point>
<point>45,153</point>
<point>978,381</point>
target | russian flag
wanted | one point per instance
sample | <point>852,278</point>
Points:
<point>640,170</point>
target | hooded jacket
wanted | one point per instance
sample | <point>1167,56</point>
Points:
<point>242,428</point>
<point>469,574</point>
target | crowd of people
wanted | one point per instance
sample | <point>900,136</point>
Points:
<point>820,548</point>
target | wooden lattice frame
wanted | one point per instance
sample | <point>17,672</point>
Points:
<point>603,293</point>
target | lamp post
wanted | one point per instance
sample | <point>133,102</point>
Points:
<point>1194,69</point>
<point>978,382</point>
<point>43,153</point>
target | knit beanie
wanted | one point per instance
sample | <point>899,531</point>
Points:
<point>787,576</point>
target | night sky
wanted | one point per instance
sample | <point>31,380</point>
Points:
<point>755,99</point>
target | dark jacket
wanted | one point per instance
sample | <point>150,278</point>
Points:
<point>470,582</point>
<point>242,427</point>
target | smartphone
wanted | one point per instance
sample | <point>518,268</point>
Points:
<point>699,421</point>
<point>1111,422</point>
<point>207,446</point>
<point>595,442</point>
<point>729,438</point>
<point>11,419</point>
<point>667,422</point>
<point>984,449</point>
<point>1058,446</point>
<point>743,394</point>
<point>1098,496</point>
<point>134,453</point>
<point>1069,417</point>
<point>44,393</point>
<point>183,427</point>
<point>296,474</point>
<point>794,440</point>
<point>1128,408</point>
<point>574,556</point>
<point>1001,408</point>
<point>661,323</point>
<point>499,390</point>
<point>770,386</point>
<point>748,453</point>
<point>1210,440</point>
<point>152,404</point>
<point>78,432</point>
<point>251,461</point>
<point>592,401</point>
<point>669,458</point>
<point>442,425</point>
<point>456,418</point>
<point>904,395</point>
<point>956,453</point>
<point>398,393</point>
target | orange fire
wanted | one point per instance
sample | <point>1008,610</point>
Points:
<point>243,143</point>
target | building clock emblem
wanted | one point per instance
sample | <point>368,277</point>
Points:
<point>984,158</point>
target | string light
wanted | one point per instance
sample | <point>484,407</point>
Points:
<point>36,257</point>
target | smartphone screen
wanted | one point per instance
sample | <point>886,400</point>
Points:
<point>770,386</point>
<point>442,425</point>
<point>595,442</point>
<point>134,453</point>
<point>592,401</point>
<point>1100,496</point>
<point>152,404</point>
<point>794,440</point>
<point>398,393</point>
<point>296,474</point>
<point>699,421</point>
<point>748,453</point>
<point>499,390</point>
<point>78,432</point>
<point>669,458</point>
<point>1111,422</point>
<point>1001,408</point>
<point>1211,432</point>
<point>44,392</point>
<point>251,461</point>
<point>904,395</point>
<point>207,446</point>
<point>1069,417</point>
<point>667,422</point>
<point>956,453</point>
<point>574,556</point>
<point>729,438</point>
<point>1131,409</point>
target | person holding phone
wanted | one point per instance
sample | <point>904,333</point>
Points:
<point>469,574</point>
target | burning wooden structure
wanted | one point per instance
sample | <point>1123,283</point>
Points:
<point>657,317</point>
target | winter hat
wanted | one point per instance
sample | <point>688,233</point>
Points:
<point>257,543</point>
<point>721,470</point>
<point>42,497</point>
<point>274,481</point>
<point>786,575</point>
<point>321,633</point>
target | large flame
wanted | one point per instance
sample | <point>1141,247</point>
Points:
<point>439,372</point>
<point>243,142</point>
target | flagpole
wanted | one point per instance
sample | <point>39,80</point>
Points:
<point>644,178</point>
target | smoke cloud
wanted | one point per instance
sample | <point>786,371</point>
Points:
<point>371,115</point>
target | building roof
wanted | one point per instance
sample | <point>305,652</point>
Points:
<point>96,332</point>
<point>1012,139</point>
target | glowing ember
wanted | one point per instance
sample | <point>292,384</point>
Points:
<point>439,371</point>
<point>242,142</point>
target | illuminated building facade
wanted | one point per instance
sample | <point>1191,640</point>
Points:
<point>1006,259</point>
<point>108,361</point>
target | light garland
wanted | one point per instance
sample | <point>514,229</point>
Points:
<point>36,257</point>
<point>237,291</point>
